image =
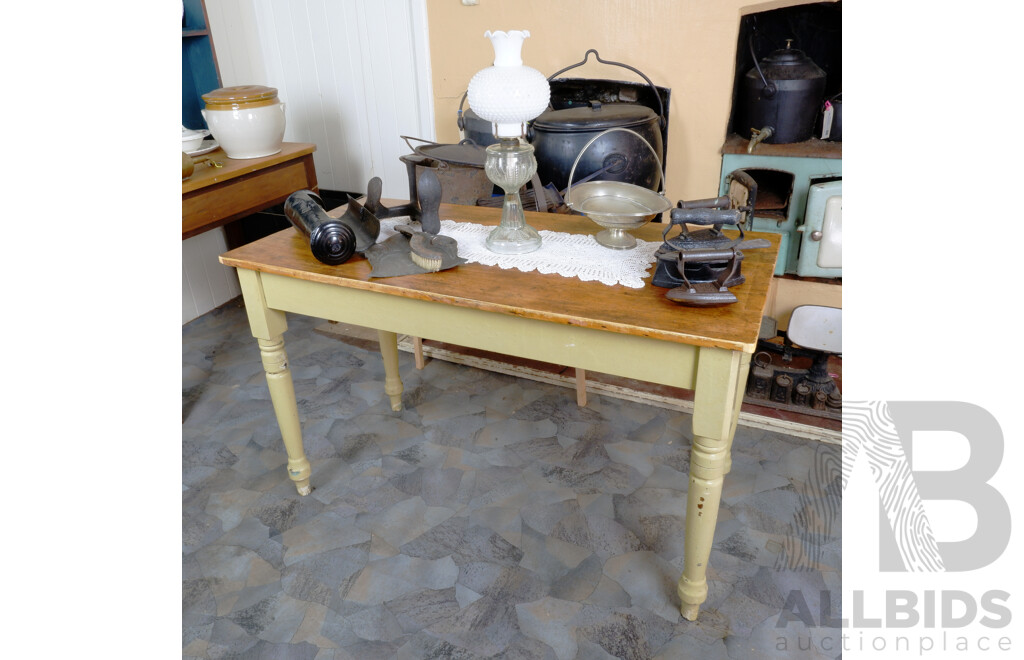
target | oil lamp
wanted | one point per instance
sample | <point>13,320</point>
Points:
<point>509,94</point>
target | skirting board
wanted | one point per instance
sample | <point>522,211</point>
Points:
<point>406,344</point>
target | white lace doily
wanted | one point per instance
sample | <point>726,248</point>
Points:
<point>568,255</point>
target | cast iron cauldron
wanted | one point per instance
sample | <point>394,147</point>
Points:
<point>559,136</point>
<point>784,91</point>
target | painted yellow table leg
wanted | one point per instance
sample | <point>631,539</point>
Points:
<point>268,327</point>
<point>392,381</point>
<point>282,394</point>
<point>744,370</point>
<point>721,378</point>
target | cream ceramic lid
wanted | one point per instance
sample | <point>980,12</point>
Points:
<point>232,98</point>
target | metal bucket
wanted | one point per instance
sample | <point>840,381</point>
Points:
<point>460,184</point>
<point>459,168</point>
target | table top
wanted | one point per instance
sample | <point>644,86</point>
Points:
<point>548,297</point>
<point>206,175</point>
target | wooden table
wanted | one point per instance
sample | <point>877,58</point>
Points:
<point>635,333</point>
<point>214,196</point>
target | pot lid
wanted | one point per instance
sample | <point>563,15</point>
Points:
<point>239,95</point>
<point>594,117</point>
<point>788,64</point>
<point>464,153</point>
<point>786,56</point>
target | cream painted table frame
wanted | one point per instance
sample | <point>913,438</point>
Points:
<point>634,333</point>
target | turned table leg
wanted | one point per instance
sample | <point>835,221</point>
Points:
<point>721,380</point>
<point>737,405</point>
<point>392,381</point>
<point>282,395</point>
<point>268,327</point>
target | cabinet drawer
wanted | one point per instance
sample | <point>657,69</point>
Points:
<point>236,198</point>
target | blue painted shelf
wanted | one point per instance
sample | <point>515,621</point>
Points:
<point>199,71</point>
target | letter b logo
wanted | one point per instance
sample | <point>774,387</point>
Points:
<point>882,431</point>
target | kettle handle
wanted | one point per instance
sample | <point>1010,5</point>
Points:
<point>769,88</point>
<point>597,56</point>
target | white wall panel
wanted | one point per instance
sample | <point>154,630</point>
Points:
<point>205,282</point>
<point>239,56</point>
<point>354,75</point>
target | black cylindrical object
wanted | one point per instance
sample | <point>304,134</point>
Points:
<point>332,243</point>
<point>785,91</point>
<point>331,240</point>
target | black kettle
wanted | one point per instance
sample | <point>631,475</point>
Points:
<point>783,92</point>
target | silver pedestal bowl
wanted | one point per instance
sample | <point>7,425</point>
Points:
<point>618,207</point>
<point>614,205</point>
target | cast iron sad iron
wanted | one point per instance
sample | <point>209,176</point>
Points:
<point>333,241</point>
<point>700,265</point>
<point>709,293</point>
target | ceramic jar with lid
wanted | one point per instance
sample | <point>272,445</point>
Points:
<point>247,120</point>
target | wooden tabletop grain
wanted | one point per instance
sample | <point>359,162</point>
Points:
<point>643,312</point>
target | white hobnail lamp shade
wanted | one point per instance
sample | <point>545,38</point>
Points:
<point>508,94</point>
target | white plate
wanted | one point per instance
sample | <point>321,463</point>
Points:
<point>208,145</point>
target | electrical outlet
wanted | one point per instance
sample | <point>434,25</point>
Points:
<point>470,3</point>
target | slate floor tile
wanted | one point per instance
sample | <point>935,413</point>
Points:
<point>491,518</point>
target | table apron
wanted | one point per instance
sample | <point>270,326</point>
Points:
<point>618,354</point>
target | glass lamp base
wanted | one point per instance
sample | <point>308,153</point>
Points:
<point>510,164</point>
<point>513,240</point>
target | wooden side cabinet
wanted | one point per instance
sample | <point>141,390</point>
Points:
<point>199,71</point>
<point>212,197</point>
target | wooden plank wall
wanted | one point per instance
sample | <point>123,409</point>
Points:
<point>354,75</point>
<point>205,282</point>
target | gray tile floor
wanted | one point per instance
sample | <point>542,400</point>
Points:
<point>491,518</point>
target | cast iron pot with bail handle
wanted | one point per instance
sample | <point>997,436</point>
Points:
<point>783,93</point>
<point>559,136</point>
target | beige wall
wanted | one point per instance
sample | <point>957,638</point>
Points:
<point>688,46</point>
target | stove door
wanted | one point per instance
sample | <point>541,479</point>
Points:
<point>821,241</point>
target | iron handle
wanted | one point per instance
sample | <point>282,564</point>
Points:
<point>769,88</point>
<point>597,56</point>
<point>722,202</point>
<point>706,216</point>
